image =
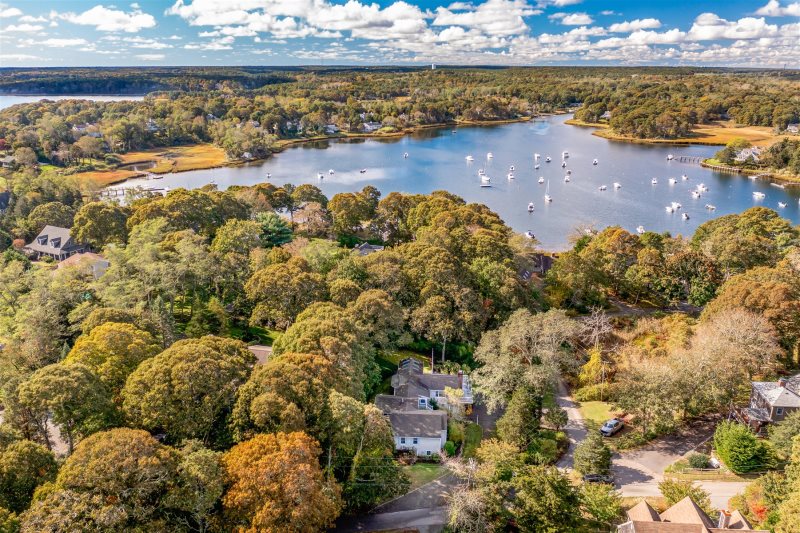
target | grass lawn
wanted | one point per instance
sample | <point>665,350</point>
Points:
<point>680,469</point>
<point>395,356</point>
<point>422,473</point>
<point>179,158</point>
<point>473,434</point>
<point>104,178</point>
<point>596,412</point>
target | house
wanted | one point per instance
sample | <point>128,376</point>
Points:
<point>151,125</point>
<point>9,161</point>
<point>330,129</point>
<point>211,117</point>
<point>746,153</point>
<point>96,262</point>
<point>793,128</point>
<point>683,517</point>
<point>262,353</point>
<point>87,129</point>
<point>423,431</point>
<point>369,127</point>
<point>54,242</point>
<point>411,382</point>
<point>606,115</point>
<point>366,249</point>
<point>770,402</point>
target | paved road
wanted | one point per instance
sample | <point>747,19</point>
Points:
<point>575,428</point>
<point>429,495</point>
<point>431,520</point>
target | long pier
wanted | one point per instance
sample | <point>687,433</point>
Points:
<point>690,159</point>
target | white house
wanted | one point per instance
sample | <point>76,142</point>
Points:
<point>424,431</point>
<point>746,153</point>
<point>331,129</point>
<point>793,128</point>
<point>369,127</point>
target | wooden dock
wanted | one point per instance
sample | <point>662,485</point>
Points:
<point>690,159</point>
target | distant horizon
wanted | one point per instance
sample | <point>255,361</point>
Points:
<point>410,33</point>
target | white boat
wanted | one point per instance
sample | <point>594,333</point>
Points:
<point>569,172</point>
<point>640,229</point>
<point>710,207</point>
<point>778,185</point>
<point>685,216</point>
<point>670,157</point>
<point>602,188</point>
<point>673,181</point>
<point>695,194</point>
<point>541,179</point>
<point>530,207</point>
<point>405,155</point>
<point>529,234</point>
<point>320,175</point>
<point>684,177</point>
<point>547,159</point>
<point>330,171</point>
<point>702,187</point>
<point>617,185</point>
<point>564,154</point>
<point>363,170</point>
<point>511,168</point>
<point>269,175</point>
<point>669,209</point>
<point>547,197</point>
<point>536,157</point>
<point>485,178</point>
<point>781,205</point>
<point>759,195</point>
<point>753,177</point>
<point>510,176</point>
<point>676,205</point>
<point>490,155</point>
<point>481,172</point>
<point>536,167</point>
<point>654,181</point>
<point>469,158</point>
<point>594,162</point>
<point>563,164</point>
<point>566,179</point>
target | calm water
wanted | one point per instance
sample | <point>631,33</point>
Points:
<point>7,100</point>
<point>437,161</point>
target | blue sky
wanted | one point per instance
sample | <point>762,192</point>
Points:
<point>756,33</point>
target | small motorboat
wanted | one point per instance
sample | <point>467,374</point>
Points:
<point>602,188</point>
<point>548,198</point>
<point>485,178</point>
<point>331,172</point>
<point>481,172</point>
<point>676,205</point>
<point>617,185</point>
<point>759,195</point>
<point>405,155</point>
<point>710,207</point>
<point>510,176</point>
<point>320,175</point>
<point>564,154</point>
<point>670,157</point>
<point>563,164</point>
<point>684,177</point>
<point>670,209</point>
<point>685,216</point>
<point>569,172</point>
<point>566,179</point>
<point>536,157</point>
<point>547,159</point>
<point>469,158</point>
<point>752,177</point>
<point>778,185</point>
<point>594,162</point>
<point>673,181</point>
<point>511,168</point>
<point>654,181</point>
<point>490,155</point>
<point>541,180</point>
<point>695,194</point>
<point>157,177</point>
<point>269,175</point>
<point>529,234</point>
<point>536,167</point>
<point>702,187</point>
<point>640,230</point>
<point>530,207</point>
<point>363,171</point>
<point>452,131</point>
<point>781,205</point>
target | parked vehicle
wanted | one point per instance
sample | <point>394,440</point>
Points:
<point>598,478</point>
<point>611,427</point>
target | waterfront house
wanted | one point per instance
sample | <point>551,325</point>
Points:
<point>746,153</point>
<point>770,402</point>
<point>330,129</point>
<point>96,262</point>
<point>54,242</point>
<point>606,115</point>
<point>793,128</point>
<point>366,248</point>
<point>369,127</point>
<point>683,517</point>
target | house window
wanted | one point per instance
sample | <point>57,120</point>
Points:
<point>416,440</point>
<point>779,411</point>
<point>422,403</point>
<point>55,243</point>
<point>437,393</point>
<point>427,452</point>
<point>402,440</point>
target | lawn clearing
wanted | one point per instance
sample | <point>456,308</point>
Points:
<point>596,412</point>
<point>473,434</point>
<point>422,473</point>
<point>104,178</point>
<point>179,158</point>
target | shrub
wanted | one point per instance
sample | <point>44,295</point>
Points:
<point>740,450</point>
<point>699,460</point>
<point>592,456</point>
<point>593,393</point>
<point>472,439</point>
<point>449,448</point>
<point>455,432</point>
<point>674,490</point>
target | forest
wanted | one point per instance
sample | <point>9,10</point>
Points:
<point>250,110</point>
<point>131,402</point>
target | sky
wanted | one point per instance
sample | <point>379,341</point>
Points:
<point>753,33</point>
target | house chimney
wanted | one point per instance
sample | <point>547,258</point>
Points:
<point>724,519</point>
<point>460,379</point>
<point>781,382</point>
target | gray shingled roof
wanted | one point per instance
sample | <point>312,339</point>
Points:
<point>388,403</point>
<point>776,395</point>
<point>52,240</point>
<point>418,423</point>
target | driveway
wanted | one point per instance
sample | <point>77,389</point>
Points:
<point>575,428</point>
<point>424,520</point>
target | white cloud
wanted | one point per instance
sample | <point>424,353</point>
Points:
<point>773,8</point>
<point>141,42</point>
<point>633,25</point>
<point>59,43</point>
<point>28,18</point>
<point>8,12</point>
<point>105,19</point>
<point>150,57</point>
<point>223,43</point>
<point>23,28</point>
<point>576,19</point>
<point>493,17</point>
<point>710,27</point>
<point>18,57</point>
